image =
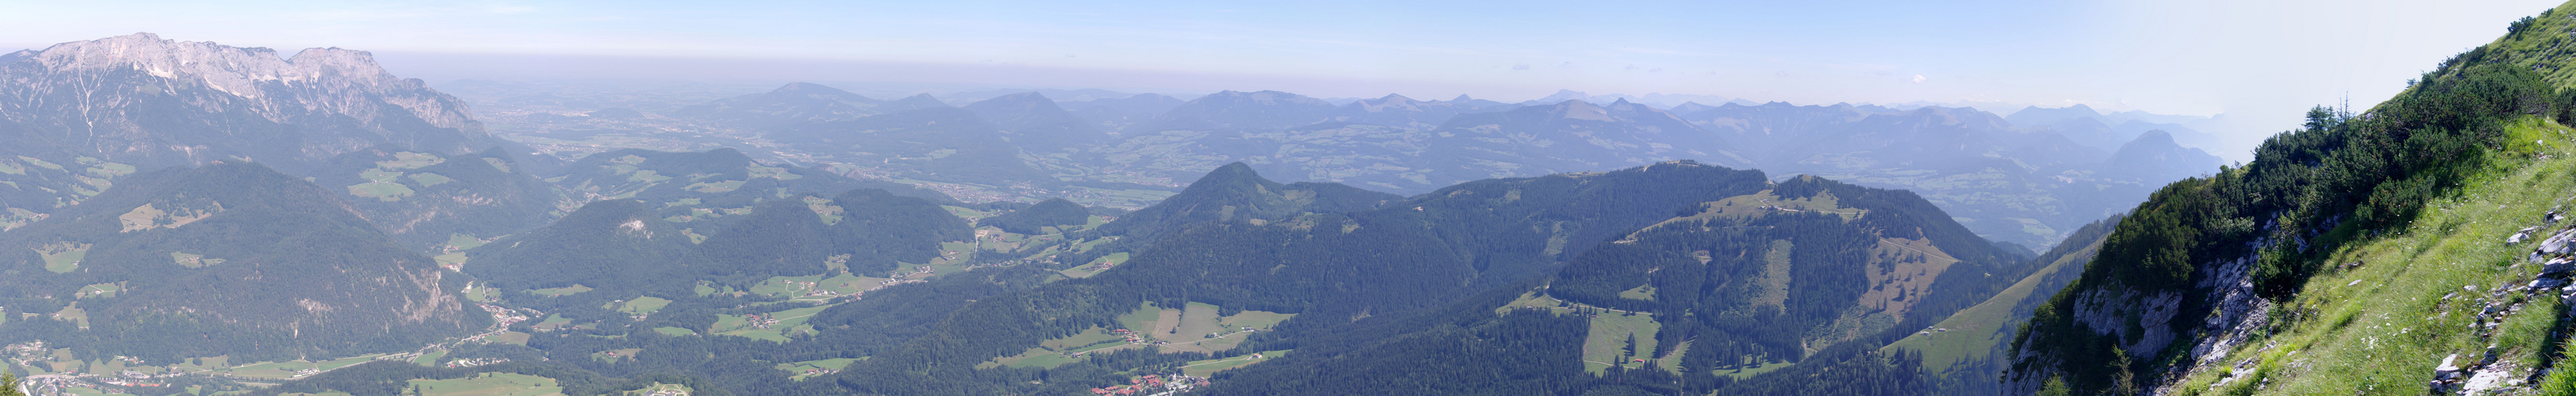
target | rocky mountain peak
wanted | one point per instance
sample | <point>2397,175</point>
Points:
<point>233,70</point>
<point>315,93</point>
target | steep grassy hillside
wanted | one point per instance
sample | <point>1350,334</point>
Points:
<point>2355,255</point>
<point>1967,351</point>
<point>2396,305</point>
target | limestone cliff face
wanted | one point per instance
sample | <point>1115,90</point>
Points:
<point>151,101</point>
<point>2217,313</point>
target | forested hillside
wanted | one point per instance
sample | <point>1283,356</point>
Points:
<point>426,200</point>
<point>701,189</point>
<point>1398,258</point>
<point>1035,218</point>
<point>226,259</point>
<point>2363,253</point>
<point>1234,193</point>
<point>1800,279</point>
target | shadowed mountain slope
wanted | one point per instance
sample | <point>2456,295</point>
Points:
<point>229,258</point>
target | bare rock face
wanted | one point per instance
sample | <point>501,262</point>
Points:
<point>144,100</point>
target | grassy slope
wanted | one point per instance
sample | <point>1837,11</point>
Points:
<point>1607,343</point>
<point>1984,328</point>
<point>2382,327</point>
<point>1194,321</point>
<point>500,384</point>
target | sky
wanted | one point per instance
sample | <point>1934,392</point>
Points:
<point>2261,63</point>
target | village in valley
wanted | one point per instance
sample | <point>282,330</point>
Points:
<point>1153,385</point>
<point>56,371</point>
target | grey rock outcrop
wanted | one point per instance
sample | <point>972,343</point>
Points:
<point>2559,244</point>
<point>145,100</point>
<point>2558,266</point>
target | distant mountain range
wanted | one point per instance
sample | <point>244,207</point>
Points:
<point>195,203</point>
<point>2028,178</point>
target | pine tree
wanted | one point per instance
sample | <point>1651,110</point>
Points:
<point>1632,345</point>
<point>2055,387</point>
<point>9,385</point>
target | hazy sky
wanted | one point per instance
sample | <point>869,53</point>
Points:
<point>2259,62</point>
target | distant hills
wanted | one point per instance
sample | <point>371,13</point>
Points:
<point>2025,179</point>
<point>2028,178</point>
<point>2107,131</point>
<point>799,102</point>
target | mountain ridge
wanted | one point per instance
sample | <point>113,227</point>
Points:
<point>303,109</point>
